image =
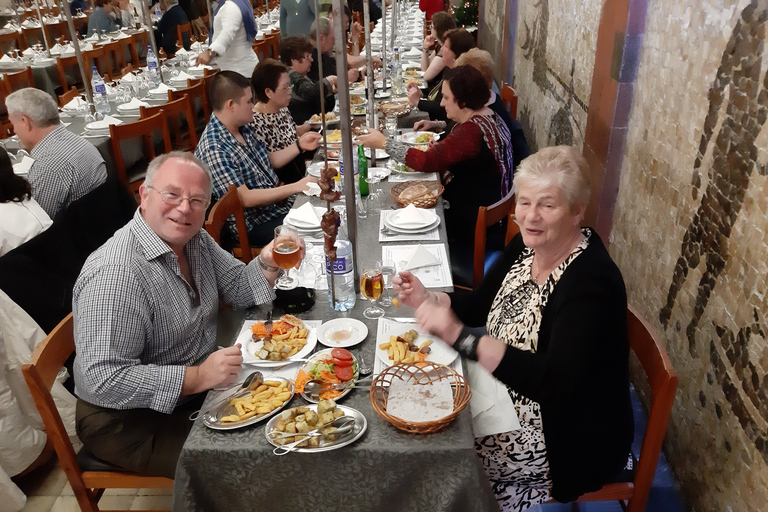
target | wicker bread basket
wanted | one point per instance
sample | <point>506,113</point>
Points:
<point>428,200</point>
<point>421,373</point>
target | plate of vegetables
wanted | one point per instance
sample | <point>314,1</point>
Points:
<point>334,366</point>
<point>416,138</point>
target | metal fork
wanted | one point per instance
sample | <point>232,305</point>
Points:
<point>268,323</point>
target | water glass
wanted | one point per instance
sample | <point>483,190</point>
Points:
<point>391,125</point>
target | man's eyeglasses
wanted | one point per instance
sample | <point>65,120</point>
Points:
<point>197,204</point>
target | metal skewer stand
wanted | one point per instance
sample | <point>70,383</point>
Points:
<point>79,54</point>
<point>369,80</point>
<point>42,28</point>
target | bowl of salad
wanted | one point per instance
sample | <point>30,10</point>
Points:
<point>332,365</point>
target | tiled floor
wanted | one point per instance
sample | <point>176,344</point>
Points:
<point>47,490</point>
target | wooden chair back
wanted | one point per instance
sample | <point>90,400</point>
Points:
<point>195,90</point>
<point>174,112</point>
<point>261,47</point>
<point>19,80</point>
<point>127,69</point>
<point>40,374</point>
<point>11,41</point>
<point>273,42</point>
<point>6,129</point>
<point>32,35</point>
<point>96,57</point>
<point>68,96</point>
<point>229,205</point>
<point>139,40</point>
<point>114,56</point>
<point>663,379</point>
<point>487,216</point>
<point>181,30</point>
<point>509,99</point>
<point>56,30</point>
<point>128,46</point>
<point>144,129</point>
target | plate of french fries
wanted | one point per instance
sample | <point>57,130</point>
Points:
<point>400,342</point>
<point>288,341</point>
<point>262,403</point>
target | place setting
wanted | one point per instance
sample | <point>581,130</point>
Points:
<point>428,262</point>
<point>100,128</point>
<point>305,219</point>
<point>409,223</point>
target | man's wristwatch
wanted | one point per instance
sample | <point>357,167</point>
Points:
<point>466,344</point>
<point>213,53</point>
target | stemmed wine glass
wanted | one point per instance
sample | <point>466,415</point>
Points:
<point>388,271</point>
<point>373,201</point>
<point>372,285</point>
<point>286,252</point>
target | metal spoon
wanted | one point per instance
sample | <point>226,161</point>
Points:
<point>315,387</point>
<point>343,424</point>
<point>362,368</point>
<point>251,382</point>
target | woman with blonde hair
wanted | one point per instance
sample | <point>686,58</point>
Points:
<point>555,310</point>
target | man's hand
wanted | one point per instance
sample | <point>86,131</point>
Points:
<point>203,58</point>
<point>409,289</point>
<point>376,62</point>
<point>267,254</point>
<point>333,80</point>
<point>309,141</point>
<point>352,75</point>
<point>301,185</point>
<point>220,369</point>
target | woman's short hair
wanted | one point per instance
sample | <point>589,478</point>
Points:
<point>563,166</point>
<point>12,187</point>
<point>481,60</point>
<point>442,22</point>
<point>37,105</point>
<point>225,86</point>
<point>468,87</point>
<point>294,48</point>
<point>461,41</point>
<point>266,75</point>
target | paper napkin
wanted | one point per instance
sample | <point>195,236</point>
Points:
<point>74,104</point>
<point>182,51</point>
<point>6,58</point>
<point>105,123</point>
<point>24,166</point>
<point>410,216</point>
<point>182,76</point>
<point>134,104</point>
<point>28,52</point>
<point>492,409</point>
<point>129,77</point>
<point>313,189</point>
<point>420,257</point>
<point>161,89</point>
<point>304,215</point>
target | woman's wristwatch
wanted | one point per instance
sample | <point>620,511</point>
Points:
<point>466,344</point>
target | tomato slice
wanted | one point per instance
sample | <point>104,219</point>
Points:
<point>343,372</point>
<point>342,362</point>
<point>341,354</point>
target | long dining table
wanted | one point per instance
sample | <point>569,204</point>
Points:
<point>386,469</point>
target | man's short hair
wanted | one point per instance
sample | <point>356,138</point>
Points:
<point>158,162</point>
<point>225,86</point>
<point>37,105</point>
<point>325,28</point>
<point>294,47</point>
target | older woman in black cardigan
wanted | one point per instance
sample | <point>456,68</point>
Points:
<point>555,311</point>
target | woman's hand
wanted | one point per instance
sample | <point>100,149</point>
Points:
<point>409,289</point>
<point>414,94</point>
<point>376,62</point>
<point>355,31</point>
<point>374,139</point>
<point>333,80</point>
<point>439,321</point>
<point>429,43</point>
<point>352,75</point>
<point>309,141</point>
<point>426,125</point>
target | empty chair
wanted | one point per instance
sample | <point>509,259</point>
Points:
<point>69,70</point>
<point>68,96</point>
<point>114,56</point>
<point>181,121</point>
<point>198,99</point>
<point>11,41</point>
<point>130,53</point>
<point>88,477</point>
<point>273,41</point>
<point>140,41</point>
<point>183,36</point>
<point>132,170</point>
<point>19,80</point>
<point>227,206</point>
<point>261,47</point>
<point>32,36</point>
<point>509,98</point>
<point>127,69</point>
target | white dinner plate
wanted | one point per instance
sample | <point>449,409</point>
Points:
<point>249,348</point>
<point>410,138</point>
<point>319,210</point>
<point>342,332</point>
<point>380,95</point>
<point>380,172</point>
<point>430,218</point>
<point>380,153</point>
<point>440,353</point>
<point>316,168</point>
<point>410,230</point>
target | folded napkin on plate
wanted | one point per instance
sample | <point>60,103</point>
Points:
<point>86,47</point>
<point>104,123</point>
<point>24,166</point>
<point>122,35</point>
<point>410,216</point>
<point>304,215</point>
<point>200,67</point>
<point>182,76</point>
<point>135,103</point>
<point>492,409</point>
<point>419,257</point>
<point>182,51</point>
<point>161,89</point>
<point>28,52</point>
<point>129,77</point>
<point>6,58</point>
<point>93,38</point>
<point>313,189</point>
<point>196,45</point>
<point>75,104</point>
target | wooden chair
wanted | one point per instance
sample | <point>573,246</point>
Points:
<point>180,39</point>
<point>6,129</point>
<point>261,47</point>
<point>488,216</point>
<point>96,57</point>
<point>32,35</point>
<point>11,41</point>
<point>68,96</point>
<point>19,80</point>
<point>662,378</point>
<point>127,69</point>
<point>184,139</point>
<point>144,129</point>
<point>128,47</point>
<point>195,92</point>
<point>139,40</point>
<point>40,374</point>
<point>229,205</point>
<point>273,41</point>
<point>114,56</point>
<point>509,98</point>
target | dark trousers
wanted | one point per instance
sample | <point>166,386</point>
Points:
<point>263,233</point>
<point>138,440</point>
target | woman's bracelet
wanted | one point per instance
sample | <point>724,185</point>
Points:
<point>466,344</point>
<point>265,267</point>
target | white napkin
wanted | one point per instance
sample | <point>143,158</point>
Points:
<point>161,89</point>
<point>492,409</point>
<point>104,123</point>
<point>182,51</point>
<point>313,189</point>
<point>197,45</point>
<point>94,37</point>
<point>122,35</point>
<point>182,77</point>
<point>200,68</point>
<point>134,104</point>
<point>74,104</point>
<point>129,77</point>
<point>304,215</point>
<point>419,257</point>
<point>410,216</point>
<point>6,58</point>
<point>413,52</point>
<point>28,52</point>
<point>24,166</point>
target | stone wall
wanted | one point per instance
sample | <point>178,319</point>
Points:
<point>554,61</point>
<point>690,233</point>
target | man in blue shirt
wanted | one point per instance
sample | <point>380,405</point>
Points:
<point>235,155</point>
<point>166,34</point>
